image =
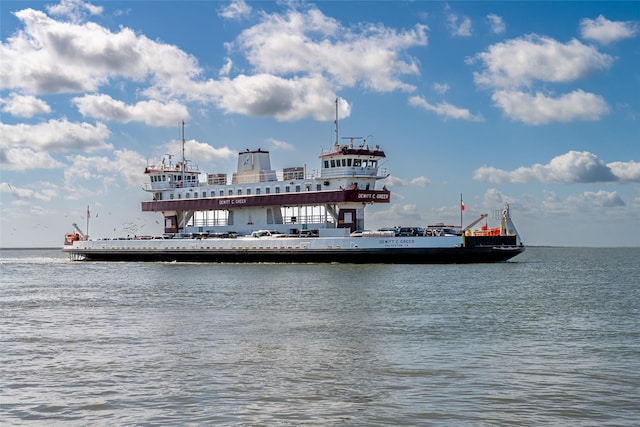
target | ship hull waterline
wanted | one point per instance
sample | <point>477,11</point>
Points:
<point>456,255</point>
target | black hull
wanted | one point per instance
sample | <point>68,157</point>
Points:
<point>460,255</point>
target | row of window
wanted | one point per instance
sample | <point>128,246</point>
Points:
<point>174,178</point>
<point>357,163</point>
<point>267,190</point>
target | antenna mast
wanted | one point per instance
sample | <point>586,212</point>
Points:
<point>336,122</point>
<point>183,158</point>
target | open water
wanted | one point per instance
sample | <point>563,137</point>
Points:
<point>550,338</point>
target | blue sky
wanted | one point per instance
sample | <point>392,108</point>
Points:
<point>534,103</point>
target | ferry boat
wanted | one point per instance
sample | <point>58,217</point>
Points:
<point>293,215</point>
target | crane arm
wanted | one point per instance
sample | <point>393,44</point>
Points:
<point>468,227</point>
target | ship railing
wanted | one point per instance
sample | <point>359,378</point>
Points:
<point>208,222</point>
<point>160,186</point>
<point>351,172</point>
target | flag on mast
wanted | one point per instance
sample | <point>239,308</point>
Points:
<point>88,213</point>
<point>461,205</point>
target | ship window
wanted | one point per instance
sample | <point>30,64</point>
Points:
<point>318,187</point>
<point>221,193</point>
<point>171,196</point>
<point>277,189</point>
<point>349,162</point>
<point>179,196</point>
<point>326,164</point>
<point>187,196</point>
<point>230,192</point>
<point>344,162</point>
<point>239,191</point>
<point>204,194</point>
<point>248,191</point>
<point>333,163</point>
<point>267,190</point>
<point>297,188</point>
<point>195,195</point>
<point>373,163</point>
<point>287,189</point>
<point>357,162</point>
<point>164,177</point>
<point>258,191</point>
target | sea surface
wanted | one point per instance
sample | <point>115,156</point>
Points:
<point>551,338</point>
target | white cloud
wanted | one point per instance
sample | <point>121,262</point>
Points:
<point>56,135</point>
<point>23,158</point>
<point>597,199</point>
<point>568,168</point>
<point>626,171</point>
<point>299,60</point>
<point>541,109</point>
<point>75,10</point>
<point>441,88</point>
<point>309,42</point>
<point>89,172</point>
<point>268,95</point>
<point>606,32</point>
<point>152,113</point>
<point>521,61</point>
<point>444,109</point>
<point>280,145</point>
<point>226,68</point>
<point>237,9</point>
<point>46,193</point>
<point>207,153</point>
<point>497,24</point>
<point>459,26</point>
<point>51,56</point>
<point>419,181</point>
<point>25,106</point>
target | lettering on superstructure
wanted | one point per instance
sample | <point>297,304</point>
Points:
<point>368,196</point>
<point>232,202</point>
<point>397,243</point>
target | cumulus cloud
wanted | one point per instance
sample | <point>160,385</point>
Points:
<point>152,113</point>
<point>601,198</point>
<point>571,167</point>
<point>267,95</point>
<point>75,10</point>
<point>84,170</point>
<point>25,106</point>
<point>513,67</point>
<point>496,23</point>
<point>521,61</point>
<point>51,56</point>
<point>626,171</point>
<point>237,9</point>
<point>299,59</point>
<point>23,158</point>
<point>540,109</point>
<point>56,135</point>
<point>444,109</point>
<point>46,193</point>
<point>306,42</point>
<point>605,31</point>
<point>419,181</point>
